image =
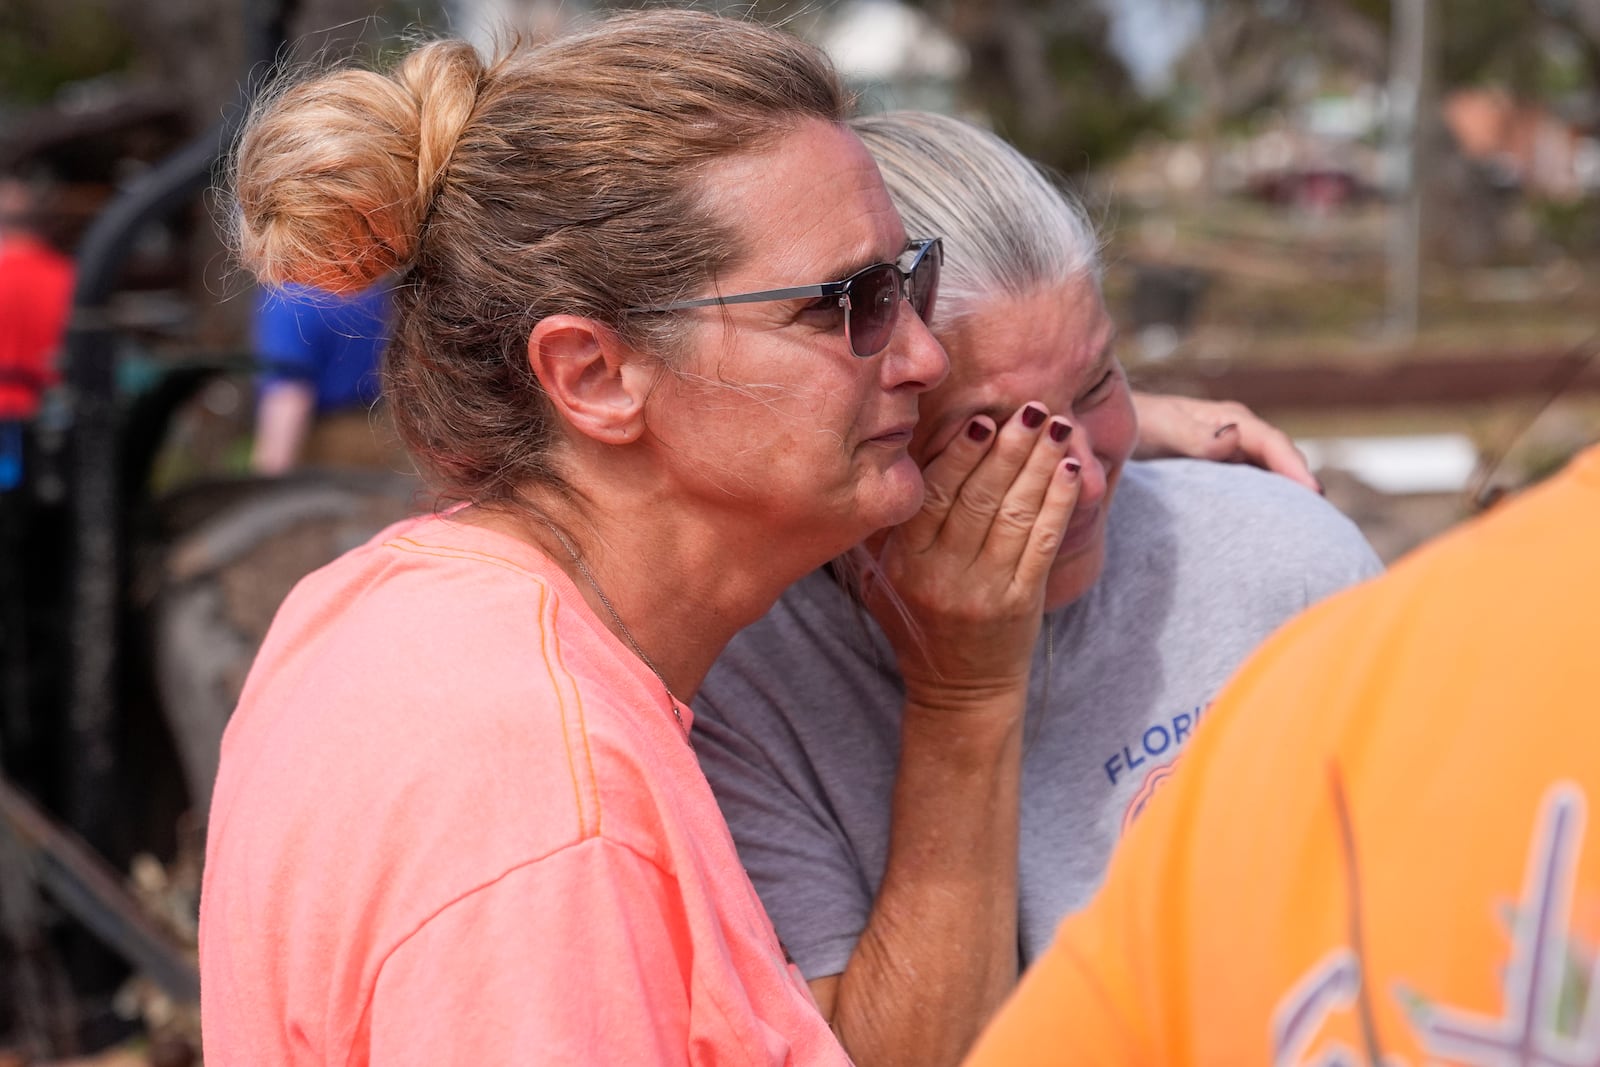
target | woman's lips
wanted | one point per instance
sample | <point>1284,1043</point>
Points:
<point>898,437</point>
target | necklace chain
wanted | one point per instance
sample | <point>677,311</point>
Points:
<point>1033,720</point>
<point>622,627</point>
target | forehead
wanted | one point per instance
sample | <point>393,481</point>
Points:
<point>811,207</point>
<point>1043,345</point>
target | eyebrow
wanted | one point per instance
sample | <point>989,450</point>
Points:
<point>869,259</point>
<point>1108,352</point>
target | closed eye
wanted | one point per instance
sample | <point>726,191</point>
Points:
<point>825,312</point>
<point>1099,389</point>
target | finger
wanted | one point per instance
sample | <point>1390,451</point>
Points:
<point>942,479</point>
<point>1044,541</point>
<point>981,497</point>
<point>1020,508</point>
<point>1264,445</point>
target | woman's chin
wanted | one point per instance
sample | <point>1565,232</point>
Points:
<point>889,495</point>
<point>1074,574</point>
<point>901,493</point>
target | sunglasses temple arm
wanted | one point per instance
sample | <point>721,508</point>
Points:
<point>794,293</point>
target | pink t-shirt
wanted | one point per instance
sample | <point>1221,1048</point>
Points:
<point>456,822</point>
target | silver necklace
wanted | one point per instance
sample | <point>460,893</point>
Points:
<point>622,627</point>
<point>1033,720</point>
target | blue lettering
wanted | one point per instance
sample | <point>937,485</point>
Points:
<point>1161,731</point>
<point>1112,768</point>
<point>1130,759</point>
<point>1180,726</point>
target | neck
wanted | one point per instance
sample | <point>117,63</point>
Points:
<point>674,589</point>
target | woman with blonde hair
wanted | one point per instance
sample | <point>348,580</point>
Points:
<point>458,818</point>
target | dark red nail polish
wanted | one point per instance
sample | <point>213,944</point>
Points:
<point>1032,416</point>
<point>978,431</point>
<point>1060,431</point>
<point>1072,465</point>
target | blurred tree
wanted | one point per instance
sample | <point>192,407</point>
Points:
<point>1507,42</point>
<point>1043,71</point>
<point>47,44</point>
<point>1046,74</point>
<point>1250,51</point>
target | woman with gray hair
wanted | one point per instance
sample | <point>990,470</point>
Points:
<point>922,794</point>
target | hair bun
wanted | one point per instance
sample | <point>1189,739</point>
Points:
<point>335,175</point>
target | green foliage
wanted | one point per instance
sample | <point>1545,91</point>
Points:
<point>45,44</point>
<point>1573,227</point>
<point>1105,113</point>
<point>1098,129</point>
<point>1495,42</point>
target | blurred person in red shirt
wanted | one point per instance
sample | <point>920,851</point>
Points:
<point>35,296</point>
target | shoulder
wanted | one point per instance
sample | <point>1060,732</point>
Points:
<point>811,687</point>
<point>30,262</point>
<point>1232,515</point>
<point>814,636</point>
<point>434,669</point>
<point>1199,488</point>
<point>814,617</point>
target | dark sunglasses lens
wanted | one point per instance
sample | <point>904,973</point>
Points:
<point>925,282</point>
<point>874,301</point>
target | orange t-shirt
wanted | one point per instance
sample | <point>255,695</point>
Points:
<point>1382,842</point>
<point>457,822</point>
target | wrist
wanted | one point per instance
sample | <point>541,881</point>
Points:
<point>993,696</point>
<point>963,725</point>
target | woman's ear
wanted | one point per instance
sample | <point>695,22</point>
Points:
<point>597,383</point>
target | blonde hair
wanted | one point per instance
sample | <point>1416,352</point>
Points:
<point>1007,227</point>
<point>562,176</point>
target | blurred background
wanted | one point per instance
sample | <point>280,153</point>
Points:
<point>1376,222</point>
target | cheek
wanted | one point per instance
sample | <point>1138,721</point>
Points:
<point>1113,430</point>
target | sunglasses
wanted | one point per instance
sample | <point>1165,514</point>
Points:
<point>870,297</point>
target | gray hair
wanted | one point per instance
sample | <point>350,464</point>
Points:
<point>1008,228</point>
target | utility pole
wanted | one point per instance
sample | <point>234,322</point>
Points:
<point>1410,116</point>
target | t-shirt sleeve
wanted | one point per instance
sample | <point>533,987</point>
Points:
<point>781,816</point>
<point>581,957</point>
<point>1259,538</point>
<point>1342,555</point>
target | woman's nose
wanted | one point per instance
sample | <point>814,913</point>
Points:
<point>1092,478</point>
<point>915,357</point>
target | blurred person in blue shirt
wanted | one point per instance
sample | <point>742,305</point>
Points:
<point>319,390</point>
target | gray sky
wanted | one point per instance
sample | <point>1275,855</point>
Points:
<point>1151,33</point>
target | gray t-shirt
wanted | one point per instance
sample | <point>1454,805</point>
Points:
<point>797,726</point>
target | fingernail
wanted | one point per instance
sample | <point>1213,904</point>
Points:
<point>978,431</point>
<point>1060,430</point>
<point>1224,428</point>
<point>1072,465</point>
<point>1032,416</point>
